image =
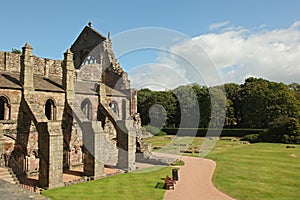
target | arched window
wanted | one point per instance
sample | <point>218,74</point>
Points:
<point>4,108</point>
<point>86,108</point>
<point>114,106</point>
<point>50,110</point>
<point>89,60</point>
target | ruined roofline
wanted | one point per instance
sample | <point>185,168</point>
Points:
<point>95,31</point>
<point>11,62</point>
<point>6,59</point>
<point>87,42</point>
<point>19,54</point>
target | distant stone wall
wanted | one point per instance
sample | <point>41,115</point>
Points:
<point>90,72</point>
<point>11,62</point>
<point>39,66</point>
<point>2,60</point>
<point>55,67</point>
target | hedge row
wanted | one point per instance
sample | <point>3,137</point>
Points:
<point>202,132</point>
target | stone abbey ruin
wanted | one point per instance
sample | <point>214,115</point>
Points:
<point>63,114</point>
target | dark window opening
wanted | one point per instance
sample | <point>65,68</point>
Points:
<point>50,110</point>
<point>89,60</point>
<point>114,106</point>
<point>86,108</point>
<point>4,109</point>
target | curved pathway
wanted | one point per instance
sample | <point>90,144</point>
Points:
<point>195,181</point>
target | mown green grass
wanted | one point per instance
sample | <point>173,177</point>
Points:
<point>257,171</point>
<point>261,171</point>
<point>176,145</point>
<point>147,184</point>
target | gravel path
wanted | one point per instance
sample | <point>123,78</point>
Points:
<point>195,181</point>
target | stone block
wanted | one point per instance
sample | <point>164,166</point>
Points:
<point>2,60</point>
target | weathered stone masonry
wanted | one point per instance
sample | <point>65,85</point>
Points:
<point>63,114</point>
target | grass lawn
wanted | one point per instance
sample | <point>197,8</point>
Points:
<point>261,171</point>
<point>147,184</point>
<point>188,146</point>
<point>257,171</point>
<point>253,171</point>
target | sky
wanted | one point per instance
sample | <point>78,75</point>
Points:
<point>163,44</point>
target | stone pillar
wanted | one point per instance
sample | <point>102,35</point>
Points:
<point>1,146</point>
<point>47,68</point>
<point>68,76</point>
<point>102,94</point>
<point>133,102</point>
<point>93,145</point>
<point>26,74</point>
<point>127,145</point>
<point>125,109</point>
<point>50,154</point>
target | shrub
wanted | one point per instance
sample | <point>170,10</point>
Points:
<point>291,139</point>
<point>178,163</point>
<point>252,138</point>
<point>161,133</point>
<point>155,131</point>
<point>202,132</point>
<point>282,130</point>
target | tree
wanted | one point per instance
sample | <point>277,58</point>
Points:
<point>255,104</point>
<point>282,130</point>
<point>233,96</point>
<point>204,103</point>
<point>157,107</point>
<point>16,51</point>
<point>218,106</point>
<point>295,87</point>
<point>188,114</point>
<point>144,102</point>
<point>263,101</point>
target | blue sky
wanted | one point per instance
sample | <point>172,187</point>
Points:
<point>52,26</point>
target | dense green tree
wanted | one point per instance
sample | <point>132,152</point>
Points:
<point>218,107</point>
<point>16,51</point>
<point>144,103</point>
<point>233,96</point>
<point>283,129</point>
<point>157,108</point>
<point>295,87</point>
<point>263,101</point>
<point>255,104</point>
<point>188,114</point>
<point>204,103</point>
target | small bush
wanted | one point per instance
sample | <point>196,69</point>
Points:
<point>252,138</point>
<point>161,133</point>
<point>202,132</point>
<point>178,163</point>
<point>155,131</point>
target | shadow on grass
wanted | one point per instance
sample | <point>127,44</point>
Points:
<point>160,185</point>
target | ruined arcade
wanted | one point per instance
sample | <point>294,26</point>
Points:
<point>64,114</point>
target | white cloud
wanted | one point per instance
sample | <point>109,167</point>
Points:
<point>228,56</point>
<point>239,53</point>
<point>218,25</point>
<point>157,76</point>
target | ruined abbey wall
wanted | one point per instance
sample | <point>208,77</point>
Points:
<point>61,114</point>
<point>11,62</point>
